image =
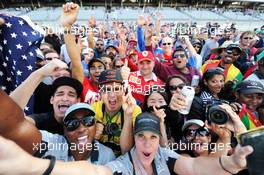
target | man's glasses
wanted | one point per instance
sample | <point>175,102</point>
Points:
<point>230,52</point>
<point>73,124</point>
<point>179,56</point>
<point>192,133</point>
<point>246,38</point>
<point>174,88</point>
<point>164,44</point>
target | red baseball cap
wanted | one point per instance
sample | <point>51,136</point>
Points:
<point>145,55</point>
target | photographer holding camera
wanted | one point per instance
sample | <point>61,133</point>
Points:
<point>116,112</point>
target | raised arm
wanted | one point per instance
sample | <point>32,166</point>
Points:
<point>13,160</point>
<point>68,17</point>
<point>92,23</point>
<point>14,126</point>
<point>23,92</point>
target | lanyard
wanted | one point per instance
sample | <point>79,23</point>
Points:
<point>134,171</point>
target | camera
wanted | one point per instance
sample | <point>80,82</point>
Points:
<point>215,114</point>
<point>112,129</point>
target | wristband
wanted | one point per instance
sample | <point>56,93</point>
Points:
<point>51,165</point>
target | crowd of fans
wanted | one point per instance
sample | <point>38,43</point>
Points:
<point>112,96</point>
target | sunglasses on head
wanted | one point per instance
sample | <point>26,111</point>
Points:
<point>164,44</point>
<point>192,133</point>
<point>174,88</point>
<point>73,124</point>
<point>179,56</point>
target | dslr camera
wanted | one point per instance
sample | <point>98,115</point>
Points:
<point>215,114</point>
<point>112,129</point>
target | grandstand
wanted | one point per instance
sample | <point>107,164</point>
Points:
<point>244,16</point>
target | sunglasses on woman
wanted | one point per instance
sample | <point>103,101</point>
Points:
<point>73,124</point>
<point>174,87</point>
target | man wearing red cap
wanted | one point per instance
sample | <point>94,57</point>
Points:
<point>142,80</point>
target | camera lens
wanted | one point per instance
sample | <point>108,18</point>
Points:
<point>218,115</point>
<point>112,129</point>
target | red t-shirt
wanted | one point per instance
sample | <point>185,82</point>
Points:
<point>90,92</point>
<point>139,86</point>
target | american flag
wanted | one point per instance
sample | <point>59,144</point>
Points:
<point>19,43</point>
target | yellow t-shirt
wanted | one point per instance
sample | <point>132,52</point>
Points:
<point>114,141</point>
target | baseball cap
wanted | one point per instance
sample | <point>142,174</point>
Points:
<point>234,46</point>
<point>112,45</point>
<point>110,75</point>
<point>112,32</point>
<point>147,122</point>
<point>250,87</point>
<point>67,81</point>
<point>228,45</point>
<point>93,61</point>
<point>188,123</point>
<point>145,55</point>
<point>132,42</point>
<point>78,106</point>
<point>196,41</point>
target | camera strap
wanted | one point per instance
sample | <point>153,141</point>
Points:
<point>109,119</point>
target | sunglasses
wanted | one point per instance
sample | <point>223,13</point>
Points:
<point>197,46</point>
<point>164,44</point>
<point>73,124</point>
<point>192,133</point>
<point>94,69</point>
<point>99,44</point>
<point>174,88</point>
<point>51,58</point>
<point>118,66</point>
<point>230,52</point>
<point>248,38</point>
<point>179,56</point>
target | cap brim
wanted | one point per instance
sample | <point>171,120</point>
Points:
<point>145,59</point>
<point>78,109</point>
<point>252,91</point>
<point>111,81</point>
<point>142,129</point>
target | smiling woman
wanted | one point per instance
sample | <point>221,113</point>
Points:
<point>213,83</point>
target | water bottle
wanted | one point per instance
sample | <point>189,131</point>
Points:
<point>188,92</point>
<point>195,80</point>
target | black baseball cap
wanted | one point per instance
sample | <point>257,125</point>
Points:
<point>110,75</point>
<point>147,122</point>
<point>93,61</point>
<point>250,87</point>
<point>67,81</point>
<point>234,46</point>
